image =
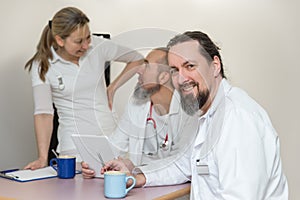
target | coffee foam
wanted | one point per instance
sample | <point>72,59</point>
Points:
<point>114,173</point>
<point>66,156</point>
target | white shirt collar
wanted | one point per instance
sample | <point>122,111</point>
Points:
<point>56,57</point>
<point>223,89</point>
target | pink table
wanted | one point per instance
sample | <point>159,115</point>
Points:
<point>74,189</point>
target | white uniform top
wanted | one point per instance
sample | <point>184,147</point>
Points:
<point>82,105</point>
<point>131,133</point>
<point>238,147</point>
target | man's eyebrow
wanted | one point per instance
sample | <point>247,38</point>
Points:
<point>185,63</point>
<point>182,65</point>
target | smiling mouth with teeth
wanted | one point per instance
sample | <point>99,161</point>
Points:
<point>186,87</point>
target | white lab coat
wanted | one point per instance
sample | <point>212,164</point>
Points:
<point>129,135</point>
<point>239,146</point>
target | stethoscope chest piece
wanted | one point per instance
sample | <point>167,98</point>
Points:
<point>164,145</point>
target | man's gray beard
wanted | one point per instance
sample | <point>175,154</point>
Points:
<point>191,104</point>
<point>142,95</point>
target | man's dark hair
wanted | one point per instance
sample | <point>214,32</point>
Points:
<point>207,47</point>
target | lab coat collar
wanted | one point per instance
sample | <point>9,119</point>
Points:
<point>214,120</point>
<point>223,89</point>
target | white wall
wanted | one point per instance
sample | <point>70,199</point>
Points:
<point>259,41</point>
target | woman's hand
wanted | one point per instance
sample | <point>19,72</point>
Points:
<point>37,164</point>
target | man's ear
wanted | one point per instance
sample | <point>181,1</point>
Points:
<point>217,66</point>
<point>164,77</point>
<point>59,41</point>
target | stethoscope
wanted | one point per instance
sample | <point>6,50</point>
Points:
<point>61,85</point>
<point>164,144</point>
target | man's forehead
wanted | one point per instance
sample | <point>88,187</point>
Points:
<point>185,51</point>
<point>185,48</point>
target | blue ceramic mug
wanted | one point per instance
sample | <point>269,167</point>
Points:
<point>65,166</point>
<point>115,184</point>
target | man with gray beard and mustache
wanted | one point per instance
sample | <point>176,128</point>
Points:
<point>153,124</point>
<point>236,153</point>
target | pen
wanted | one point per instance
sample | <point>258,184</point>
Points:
<point>101,159</point>
<point>4,174</point>
<point>8,176</point>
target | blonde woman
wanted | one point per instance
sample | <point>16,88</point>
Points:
<point>68,70</point>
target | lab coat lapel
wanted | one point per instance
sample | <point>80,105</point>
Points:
<point>214,120</point>
<point>139,117</point>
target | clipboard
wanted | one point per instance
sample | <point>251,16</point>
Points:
<point>27,175</point>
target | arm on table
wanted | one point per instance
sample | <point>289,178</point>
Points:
<point>43,124</point>
<point>176,194</point>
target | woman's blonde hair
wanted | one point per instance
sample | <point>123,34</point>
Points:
<point>64,22</point>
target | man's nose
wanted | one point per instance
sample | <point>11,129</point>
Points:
<point>181,77</point>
